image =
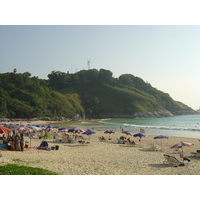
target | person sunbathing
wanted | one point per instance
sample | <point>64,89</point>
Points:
<point>131,142</point>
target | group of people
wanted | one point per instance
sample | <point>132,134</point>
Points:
<point>16,141</point>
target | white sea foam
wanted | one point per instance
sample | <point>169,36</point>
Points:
<point>161,127</point>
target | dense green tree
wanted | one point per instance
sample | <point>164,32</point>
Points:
<point>127,79</point>
<point>105,76</point>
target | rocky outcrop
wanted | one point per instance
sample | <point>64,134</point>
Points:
<point>153,113</point>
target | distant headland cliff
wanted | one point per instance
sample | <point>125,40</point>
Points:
<point>85,94</point>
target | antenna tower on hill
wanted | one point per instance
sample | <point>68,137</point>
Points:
<point>88,63</point>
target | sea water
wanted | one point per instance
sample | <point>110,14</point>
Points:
<point>180,126</point>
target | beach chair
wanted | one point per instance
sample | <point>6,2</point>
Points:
<point>196,154</point>
<point>154,147</point>
<point>173,161</point>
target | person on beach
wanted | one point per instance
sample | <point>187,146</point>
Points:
<point>22,142</point>
<point>17,148</point>
<point>5,140</point>
<point>13,141</point>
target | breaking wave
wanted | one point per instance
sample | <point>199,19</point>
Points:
<point>162,127</point>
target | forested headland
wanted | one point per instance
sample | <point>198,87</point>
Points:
<point>85,94</point>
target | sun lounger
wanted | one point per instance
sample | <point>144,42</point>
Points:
<point>196,154</point>
<point>173,161</point>
<point>154,147</point>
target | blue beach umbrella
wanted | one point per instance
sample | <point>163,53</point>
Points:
<point>89,132</point>
<point>140,135</point>
<point>71,130</point>
<point>109,132</point>
<point>127,132</point>
<point>161,137</point>
<point>62,129</point>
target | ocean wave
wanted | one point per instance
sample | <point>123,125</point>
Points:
<point>162,127</point>
<point>106,119</point>
<point>86,122</point>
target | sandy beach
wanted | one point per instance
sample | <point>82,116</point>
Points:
<point>106,158</point>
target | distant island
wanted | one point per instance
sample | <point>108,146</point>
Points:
<point>85,94</point>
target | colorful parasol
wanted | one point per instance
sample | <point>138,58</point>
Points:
<point>5,130</point>
<point>181,145</point>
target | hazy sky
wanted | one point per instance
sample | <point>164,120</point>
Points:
<point>165,56</point>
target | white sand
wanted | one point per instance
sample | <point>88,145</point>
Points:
<point>105,158</point>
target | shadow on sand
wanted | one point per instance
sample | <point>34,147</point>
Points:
<point>159,165</point>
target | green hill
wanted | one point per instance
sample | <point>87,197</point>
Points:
<point>87,93</point>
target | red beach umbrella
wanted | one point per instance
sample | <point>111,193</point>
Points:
<point>4,130</point>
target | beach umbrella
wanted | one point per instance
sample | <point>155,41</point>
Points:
<point>4,129</point>
<point>10,126</point>
<point>109,132</point>
<point>38,125</point>
<point>20,128</point>
<point>49,128</point>
<point>127,132</point>
<point>161,137</point>
<point>79,130</point>
<point>34,128</point>
<point>71,130</point>
<point>62,129</point>
<point>28,129</point>
<point>140,135</point>
<point>88,132</point>
<point>181,145</point>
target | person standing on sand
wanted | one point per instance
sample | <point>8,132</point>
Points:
<point>17,143</point>
<point>13,141</point>
<point>22,142</point>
